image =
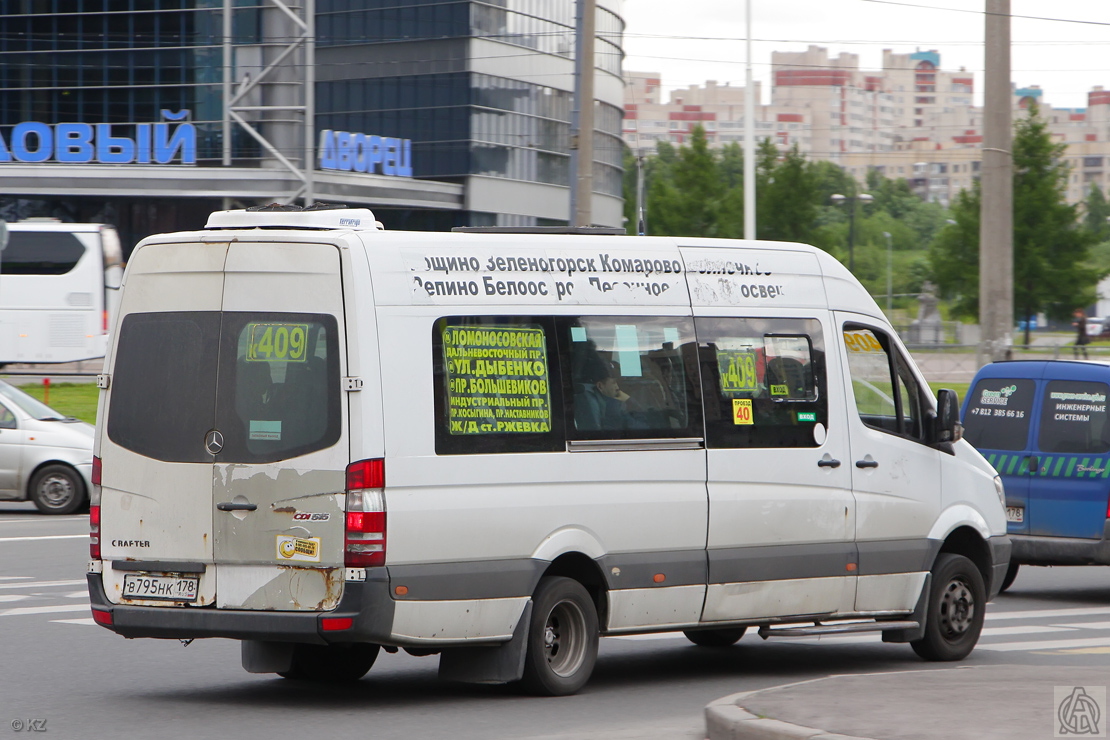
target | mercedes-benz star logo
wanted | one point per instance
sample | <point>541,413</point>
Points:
<point>214,442</point>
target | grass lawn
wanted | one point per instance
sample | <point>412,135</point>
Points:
<point>71,399</point>
<point>960,388</point>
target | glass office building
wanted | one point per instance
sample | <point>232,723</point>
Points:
<point>481,90</point>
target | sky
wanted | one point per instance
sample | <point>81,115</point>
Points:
<point>1063,46</point>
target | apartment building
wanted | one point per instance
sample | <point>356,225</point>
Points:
<point>911,119</point>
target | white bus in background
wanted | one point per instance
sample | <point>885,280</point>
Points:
<point>59,288</point>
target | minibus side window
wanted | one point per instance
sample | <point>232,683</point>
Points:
<point>1073,418</point>
<point>764,381</point>
<point>999,411</point>
<point>887,394</point>
<point>497,385</point>
<point>630,377</point>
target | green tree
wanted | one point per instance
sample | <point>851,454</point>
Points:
<point>954,255</point>
<point>1051,249</point>
<point>628,188</point>
<point>686,202</point>
<point>787,199</point>
<point>1096,213</point>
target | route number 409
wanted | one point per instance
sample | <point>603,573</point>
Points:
<point>276,342</point>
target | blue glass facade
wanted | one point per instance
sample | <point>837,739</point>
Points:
<point>398,68</point>
<point>465,122</point>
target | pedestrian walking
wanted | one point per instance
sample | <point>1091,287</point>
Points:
<point>1081,338</point>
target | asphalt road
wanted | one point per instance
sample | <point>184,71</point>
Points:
<point>87,682</point>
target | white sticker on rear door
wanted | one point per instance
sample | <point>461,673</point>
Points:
<point>303,549</point>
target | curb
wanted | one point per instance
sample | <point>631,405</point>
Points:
<point>727,719</point>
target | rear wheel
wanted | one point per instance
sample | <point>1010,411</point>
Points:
<point>715,638</point>
<point>57,489</point>
<point>1011,574</point>
<point>954,617</point>
<point>562,638</point>
<point>331,663</point>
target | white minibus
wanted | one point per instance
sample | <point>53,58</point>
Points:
<point>325,439</point>
<point>58,290</point>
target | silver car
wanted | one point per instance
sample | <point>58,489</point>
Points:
<point>45,456</point>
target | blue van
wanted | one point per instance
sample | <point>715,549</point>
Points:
<point>1043,425</point>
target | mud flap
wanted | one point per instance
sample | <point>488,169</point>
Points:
<point>920,614</point>
<point>502,663</point>
<point>267,657</point>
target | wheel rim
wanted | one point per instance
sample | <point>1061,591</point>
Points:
<point>564,638</point>
<point>957,609</point>
<point>56,490</point>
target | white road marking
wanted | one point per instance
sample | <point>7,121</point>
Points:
<point>86,620</point>
<point>42,584</point>
<point>1046,613</point>
<point>654,636</point>
<point>1045,644</point>
<point>46,537</point>
<point>16,578</point>
<point>1088,625</point>
<point>25,610</point>
<point>13,597</point>
<point>45,520</point>
<point>78,595</point>
<point>1031,629</point>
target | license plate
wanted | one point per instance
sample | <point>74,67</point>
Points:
<point>165,588</point>
<point>1015,514</point>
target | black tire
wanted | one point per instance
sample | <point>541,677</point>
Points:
<point>1011,574</point>
<point>715,638</point>
<point>954,617</point>
<point>562,638</point>
<point>57,489</point>
<point>331,663</point>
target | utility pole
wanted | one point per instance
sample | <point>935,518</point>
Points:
<point>996,230</point>
<point>749,138</point>
<point>582,117</point>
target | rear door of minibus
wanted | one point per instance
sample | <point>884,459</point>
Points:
<point>225,448</point>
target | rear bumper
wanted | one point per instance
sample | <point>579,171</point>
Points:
<point>1037,550</point>
<point>366,603</point>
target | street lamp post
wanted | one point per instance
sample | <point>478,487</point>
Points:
<point>839,199</point>
<point>889,276</point>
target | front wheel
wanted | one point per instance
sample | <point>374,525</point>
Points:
<point>954,617</point>
<point>1011,574</point>
<point>715,638</point>
<point>562,638</point>
<point>57,489</point>
<point>331,663</point>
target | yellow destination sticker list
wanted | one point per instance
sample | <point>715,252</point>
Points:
<point>497,380</point>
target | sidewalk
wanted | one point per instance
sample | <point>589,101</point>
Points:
<point>1004,702</point>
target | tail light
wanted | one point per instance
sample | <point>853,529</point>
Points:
<point>94,532</point>
<point>365,539</point>
<point>104,322</point>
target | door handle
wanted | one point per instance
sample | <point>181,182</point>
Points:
<point>1032,465</point>
<point>867,463</point>
<point>236,506</point>
<point>828,463</point>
